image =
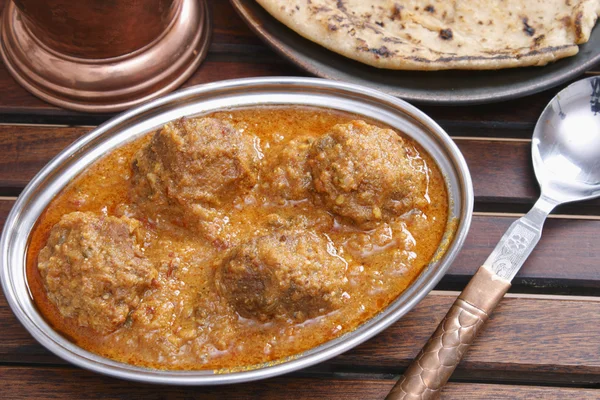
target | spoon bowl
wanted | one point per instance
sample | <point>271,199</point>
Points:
<point>566,144</point>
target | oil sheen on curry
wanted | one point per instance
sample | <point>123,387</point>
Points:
<point>236,238</point>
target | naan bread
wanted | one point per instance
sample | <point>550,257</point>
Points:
<point>434,35</point>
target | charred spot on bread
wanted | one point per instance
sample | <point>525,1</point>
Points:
<point>446,34</point>
<point>527,28</point>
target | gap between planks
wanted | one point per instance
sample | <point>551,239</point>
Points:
<point>519,215</point>
<point>471,138</point>
<point>490,139</point>
<point>533,296</point>
<point>475,213</point>
<point>45,125</point>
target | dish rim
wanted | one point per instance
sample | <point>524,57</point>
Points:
<point>143,119</point>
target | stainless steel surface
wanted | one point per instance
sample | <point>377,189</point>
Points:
<point>518,241</point>
<point>60,50</point>
<point>204,99</point>
<point>423,87</point>
<point>566,159</point>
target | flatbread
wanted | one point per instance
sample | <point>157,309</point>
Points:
<point>435,35</point>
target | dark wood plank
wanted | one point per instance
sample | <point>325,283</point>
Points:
<point>5,207</point>
<point>26,149</point>
<point>564,259</point>
<point>17,344</point>
<point>216,69</point>
<point>522,341</point>
<point>502,174</point>
<point>501,170</point>
<point>228,27</point>
<point>49,383</point>
<point>513,119</point>
<point>566,241</point>
<point>17,101</point>
<point>474,391</point>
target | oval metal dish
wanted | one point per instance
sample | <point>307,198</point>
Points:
<point>201,100</point>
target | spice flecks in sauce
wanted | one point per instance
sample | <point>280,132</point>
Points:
<point>182,322</point>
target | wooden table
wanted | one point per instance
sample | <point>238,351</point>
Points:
<point>542,342</point>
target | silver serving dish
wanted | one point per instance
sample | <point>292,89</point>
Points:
<point>201,100</point>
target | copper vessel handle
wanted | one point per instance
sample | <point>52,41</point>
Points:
<point>436,362</point>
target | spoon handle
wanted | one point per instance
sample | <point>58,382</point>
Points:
<point>430,370</point>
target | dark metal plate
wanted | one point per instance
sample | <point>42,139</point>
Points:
<point>434,87</point>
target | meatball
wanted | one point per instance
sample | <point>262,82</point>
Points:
<point>202,162</point>
<point>289,274</point>
<point>364,173</point>
<point>94,269</point>
<point>286,174</point>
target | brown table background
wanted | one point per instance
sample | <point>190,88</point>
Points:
<point>542,342</point>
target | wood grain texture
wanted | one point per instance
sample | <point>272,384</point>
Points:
<point>519,340</point>
<point>518,336</point>
<point>26,149</point>
<point>501,170</point>
<point>17,344</point>
<point>47,383</point>
<point>5,207</point>
<point>566,255</point>
<point>17,100</point>
<point>566,241</point>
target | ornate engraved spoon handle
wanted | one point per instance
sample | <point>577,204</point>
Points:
<point>430,370</point>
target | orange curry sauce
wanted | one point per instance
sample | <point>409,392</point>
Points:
<point>186,331</point>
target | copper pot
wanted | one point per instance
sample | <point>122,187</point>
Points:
<point>103,55</point>
<point>97,28</point>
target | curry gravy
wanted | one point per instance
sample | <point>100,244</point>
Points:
<point>182,323</point>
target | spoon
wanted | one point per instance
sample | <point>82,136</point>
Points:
<point>566,159</point>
